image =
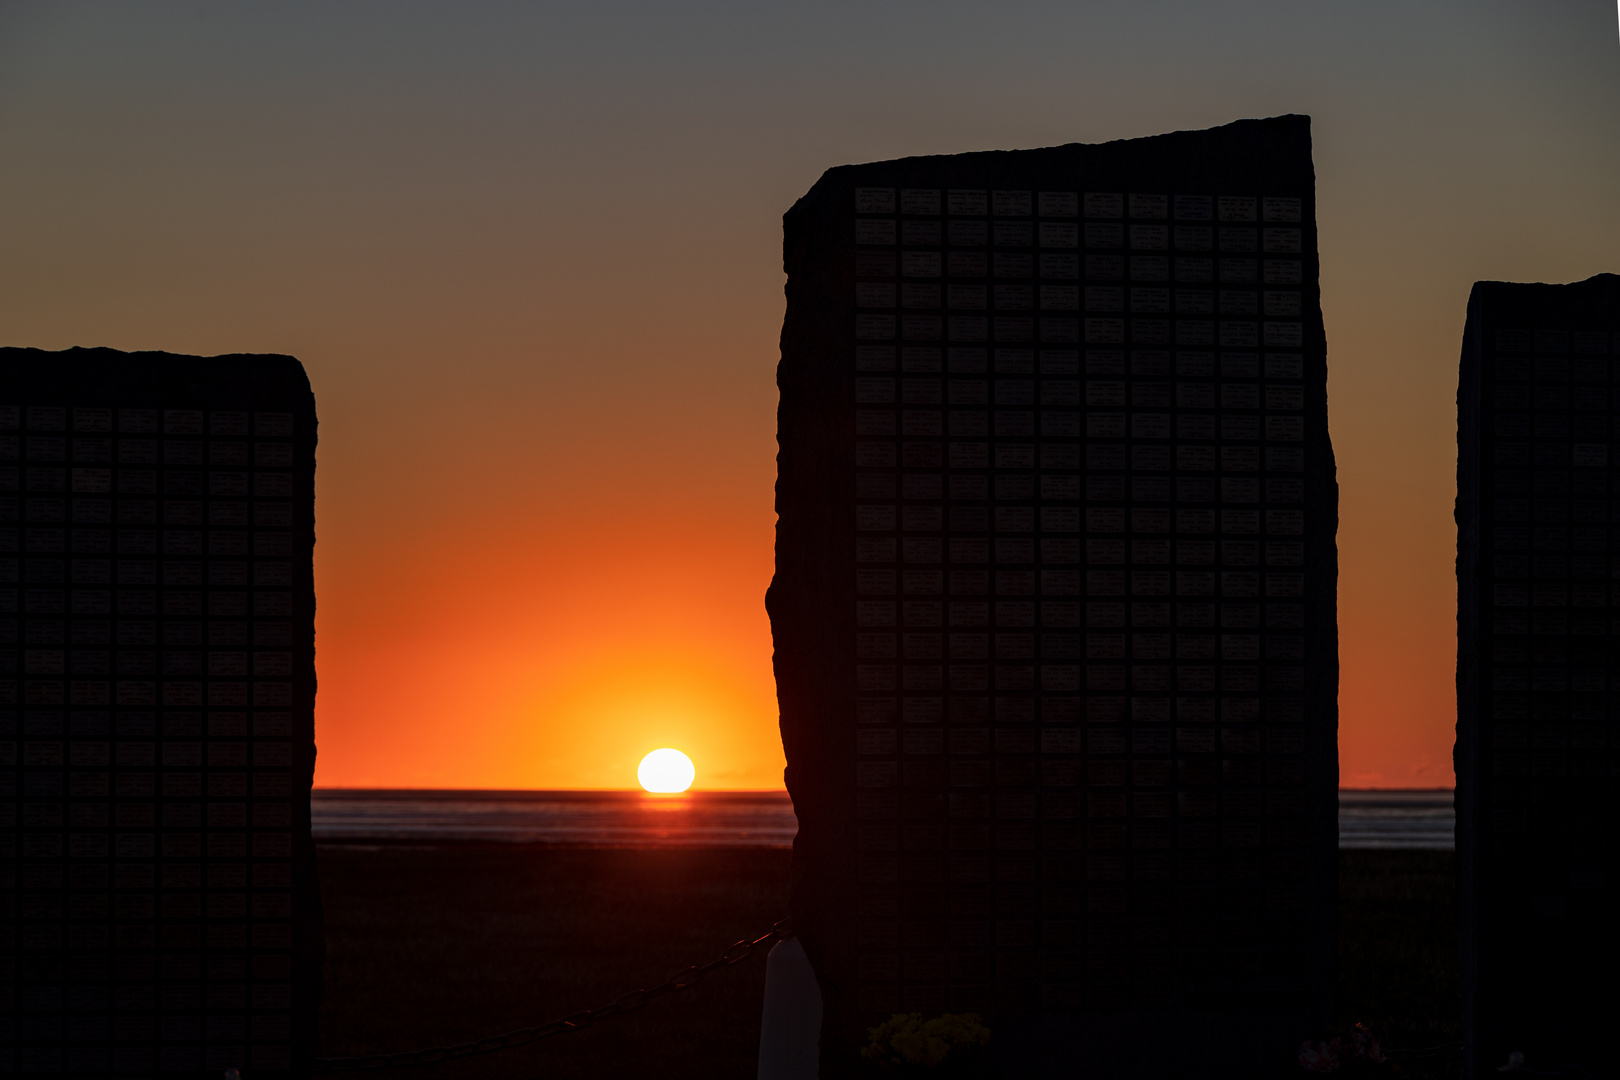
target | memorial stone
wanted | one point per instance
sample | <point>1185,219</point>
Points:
<point>1054,605</point>
<point>1536,756</point>
<point>156,715</point>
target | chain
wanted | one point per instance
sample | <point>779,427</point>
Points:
<point>624,1003</point>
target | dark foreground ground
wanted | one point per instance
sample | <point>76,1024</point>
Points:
<point>431,945</point>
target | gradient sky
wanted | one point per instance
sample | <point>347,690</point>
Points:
<point>530,255</point>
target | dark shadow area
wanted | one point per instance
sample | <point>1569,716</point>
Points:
<point>431,945</point>
<point>428,945</point>
<point>1398,970</point>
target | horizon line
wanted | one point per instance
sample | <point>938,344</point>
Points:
<point>721,791</point>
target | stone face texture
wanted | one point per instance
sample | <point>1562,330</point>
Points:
<point>157,690</point>
<point>1054,605</point>
<point>1536,743</point>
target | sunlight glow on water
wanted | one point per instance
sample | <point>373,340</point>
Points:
<point>591,818</point>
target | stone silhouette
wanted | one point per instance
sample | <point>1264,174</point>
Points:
<point>1536,775</point>
<point>1054,605</point>
<point>156,714</point>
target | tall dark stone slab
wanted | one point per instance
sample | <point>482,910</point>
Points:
<point>157,688</point>
<point>1537,772</point>
<point>1054,605</point>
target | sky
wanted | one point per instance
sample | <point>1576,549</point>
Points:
<point>530,255</point>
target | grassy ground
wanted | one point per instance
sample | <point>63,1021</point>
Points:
<point>429,945</point>
<point>1398,952</point>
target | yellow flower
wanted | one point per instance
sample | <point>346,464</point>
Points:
<point>907,1039</point>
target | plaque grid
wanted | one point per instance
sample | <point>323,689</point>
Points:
<point>154,685</point>
<point>1536,699</point>
<point>1054,604</point>
<point>1079,458</point>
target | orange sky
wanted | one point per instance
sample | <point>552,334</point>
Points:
<point>531,259</point>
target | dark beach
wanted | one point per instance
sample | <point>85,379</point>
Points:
<point>445,943</point>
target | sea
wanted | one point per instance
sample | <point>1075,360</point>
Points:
<point>1417,820</point>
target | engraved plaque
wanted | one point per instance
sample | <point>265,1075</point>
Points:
<point>1536,696</point>
<point>1055,605</point>
<point>156,714</point>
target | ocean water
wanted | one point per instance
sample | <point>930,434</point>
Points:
<point>1397,819</point>
<point>599,818</point>
<point>1367,819</point>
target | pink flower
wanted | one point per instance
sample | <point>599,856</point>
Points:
<point>1367,1045</point>
<point>1319,1057</point>
<point>1343,1050</point>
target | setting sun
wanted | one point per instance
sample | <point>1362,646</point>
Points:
<point>666,772</point>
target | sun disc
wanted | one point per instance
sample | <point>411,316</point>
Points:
<point>666,772</point>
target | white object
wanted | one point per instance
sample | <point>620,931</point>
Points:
<point>790,1030</point>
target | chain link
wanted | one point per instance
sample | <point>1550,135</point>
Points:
<point>579,1021</point>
